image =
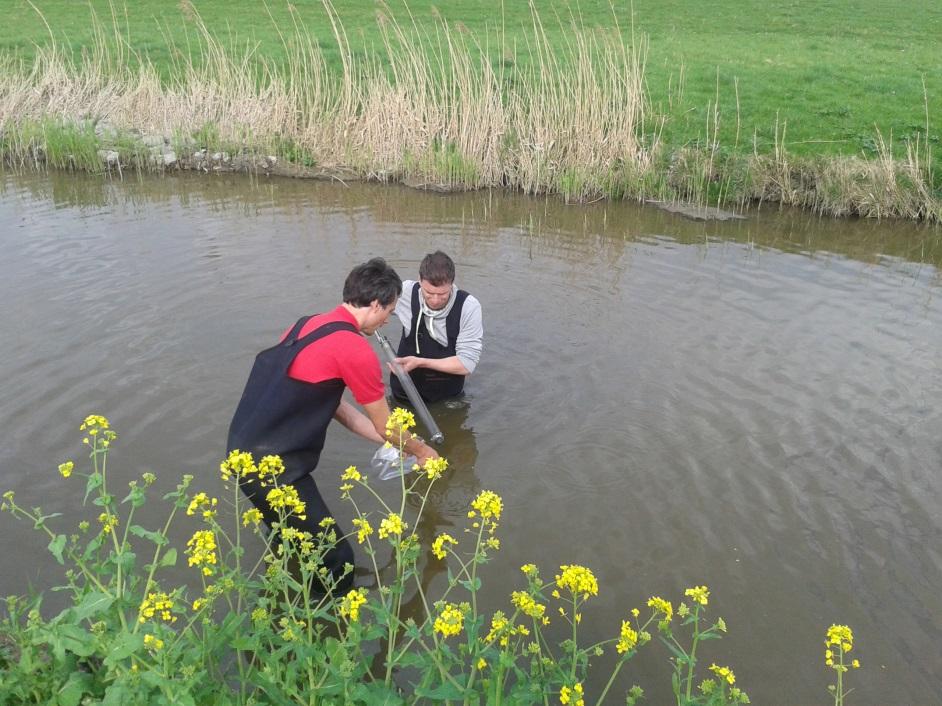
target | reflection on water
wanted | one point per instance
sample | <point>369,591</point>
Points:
<point>753,405</point>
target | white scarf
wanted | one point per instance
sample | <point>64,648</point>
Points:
<point>441,335</point>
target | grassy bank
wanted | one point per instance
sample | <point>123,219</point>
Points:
<point>716,105</point>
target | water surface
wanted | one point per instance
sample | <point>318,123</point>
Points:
<point>750,405</point>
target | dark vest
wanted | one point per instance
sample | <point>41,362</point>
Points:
<point>432,385</point>
<point>280,415</point>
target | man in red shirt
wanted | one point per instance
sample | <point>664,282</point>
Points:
<point>296,388</point>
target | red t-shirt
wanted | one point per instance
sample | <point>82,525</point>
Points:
<point>344,354</point>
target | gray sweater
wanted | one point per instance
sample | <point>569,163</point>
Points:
<point>470,341</point>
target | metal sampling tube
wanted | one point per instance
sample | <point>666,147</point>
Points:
<point>435,434</point>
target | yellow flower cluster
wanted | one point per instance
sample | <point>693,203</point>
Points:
<point>529,570</point>
<point>399,419</point>
<point>153,643</point>
<point>661,606</point>
<point>65,469</point>
<point>450,620</point>
<point>303,539</point>
<point>699,594</point>
<point>488,504</point>
<point>841,637</point>
<point>627,639</point>
<point>724,673</point>
<point>269,468</point>
<point>434,467</point>
<point>351,603</point>
<point>239,464</point>
<point>579,580</point>
<point>259,615</point>
<point>108,522</point>
<point>157,603</point>
<point>201,502</point>
<point>351,474</point>
<point>201,548</point>
<point>286,499</point>
<point>527,605</point>
<point>288,627</point>
<point>438,544</point>
<point>94,425</point>
<point>573,695</point>
<point>392,525</point>
<point>364,528</point>
<point>251,517</point>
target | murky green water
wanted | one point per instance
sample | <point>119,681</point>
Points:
<point>750,405</point>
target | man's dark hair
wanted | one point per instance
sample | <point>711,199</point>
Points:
<point>437,269</point>
<point>373,280</point>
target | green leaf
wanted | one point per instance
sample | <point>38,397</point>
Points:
<point>70,693</point>
<point>156,537</point>
<point>169,558</point>
<point>472,586</point>
<point>74,639</point>
<point>93,603</point>
<point>445,692</point>
<point>94,481</point>
<point>124,646</point>
<point>56,546</point>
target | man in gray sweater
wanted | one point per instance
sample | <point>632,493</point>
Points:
<point>442,331</point>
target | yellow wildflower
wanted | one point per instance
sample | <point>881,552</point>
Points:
<point>578,579</point>
<point>286,499</point>
<point>498,623</point>
<point>438,545</point>
<point>482,663</point>
<point>400,419</point>
<point>204,504</point>
<point>434,467</point>
<point>259,615</point>
<point>108,522</point>
<point>351,474</point>
<point>450,620</point>
<point>364,529</point>
<point>269,468</point>
<point>350,604</point>
<point>238,464</point>
<point>65,469</point>
<point>699,594</point>
<point>661,606</point>
<point>627,639</point>
<point>159,604</point>
<point>723,673</point>
<point>527,605</point>
<point>573,695</point>
<point>488,504</point>
<point>153,643</point>
<point>529,569</point>
<point>199,603</point>
<point>201,548</point>
<point>492,543</point>
<point>855,664</point>
<point>326,522</point>
<point>251,517</point>
<point>841,636</point>
<point>392,525</point>
<point>635,612</point>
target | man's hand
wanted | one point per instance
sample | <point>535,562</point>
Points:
<point>424,454</point>
<point>409,363</point>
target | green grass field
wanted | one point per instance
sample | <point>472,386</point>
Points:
<point>834,73</point>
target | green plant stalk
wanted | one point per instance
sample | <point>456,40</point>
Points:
<point>692,657</point>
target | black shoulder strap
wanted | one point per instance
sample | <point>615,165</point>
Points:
<point>453,322</point>
<point>325,330</point>
<point>416,309</point>
<point>295,331</point>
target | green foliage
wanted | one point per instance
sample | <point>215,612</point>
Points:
<point>252,630</point>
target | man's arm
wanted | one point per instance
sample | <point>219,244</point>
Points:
<point>451,365</point>
<point>357,422</point>
<point>378,413</point>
